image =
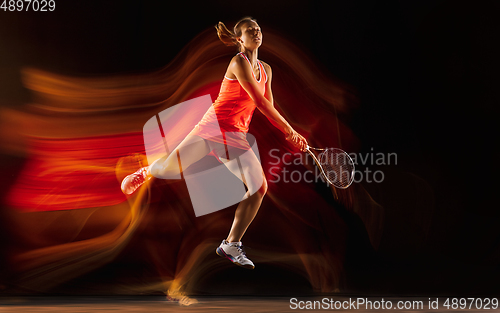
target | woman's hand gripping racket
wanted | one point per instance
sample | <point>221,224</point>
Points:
<point>335,164</point>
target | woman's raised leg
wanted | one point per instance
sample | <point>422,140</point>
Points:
<point>190,150</point>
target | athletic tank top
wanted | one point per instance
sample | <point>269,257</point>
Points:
<point>234,108</point>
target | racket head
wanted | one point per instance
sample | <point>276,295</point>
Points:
<point>337,166</point>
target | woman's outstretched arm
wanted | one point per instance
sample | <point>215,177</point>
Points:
<point>264,103</point>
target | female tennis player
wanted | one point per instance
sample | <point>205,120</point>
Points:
<point>223,129</point>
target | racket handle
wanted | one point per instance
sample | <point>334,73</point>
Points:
<point>308,147</point>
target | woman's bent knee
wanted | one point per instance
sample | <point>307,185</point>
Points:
<point>263,188</point>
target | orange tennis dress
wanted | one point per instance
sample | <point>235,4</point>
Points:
<point>228,119</point>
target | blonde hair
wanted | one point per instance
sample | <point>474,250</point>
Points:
<point>229,38</point>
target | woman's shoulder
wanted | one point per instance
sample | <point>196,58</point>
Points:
<point>239,63</point>
<point>238,59</point>
<point>267,67</point>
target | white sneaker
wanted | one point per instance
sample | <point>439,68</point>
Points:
<point>135,180</point>
<point>233,251</point>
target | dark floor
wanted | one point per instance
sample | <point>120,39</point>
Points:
<point>244,304</point>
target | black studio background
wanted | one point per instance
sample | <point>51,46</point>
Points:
<point>426,73</point>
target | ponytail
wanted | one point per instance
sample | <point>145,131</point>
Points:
<point>228,37</point>
<point>225,35</point>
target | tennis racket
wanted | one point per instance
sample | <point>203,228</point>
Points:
<point>336,166</point>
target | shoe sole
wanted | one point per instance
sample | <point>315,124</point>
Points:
<point>222,254</point>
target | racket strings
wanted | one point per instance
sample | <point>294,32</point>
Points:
<point>338,167</point>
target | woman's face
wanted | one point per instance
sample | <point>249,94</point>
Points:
<point>251,35</point>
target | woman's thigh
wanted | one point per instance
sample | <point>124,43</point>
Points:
<point>246,166</point>
<point>189,151</point>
